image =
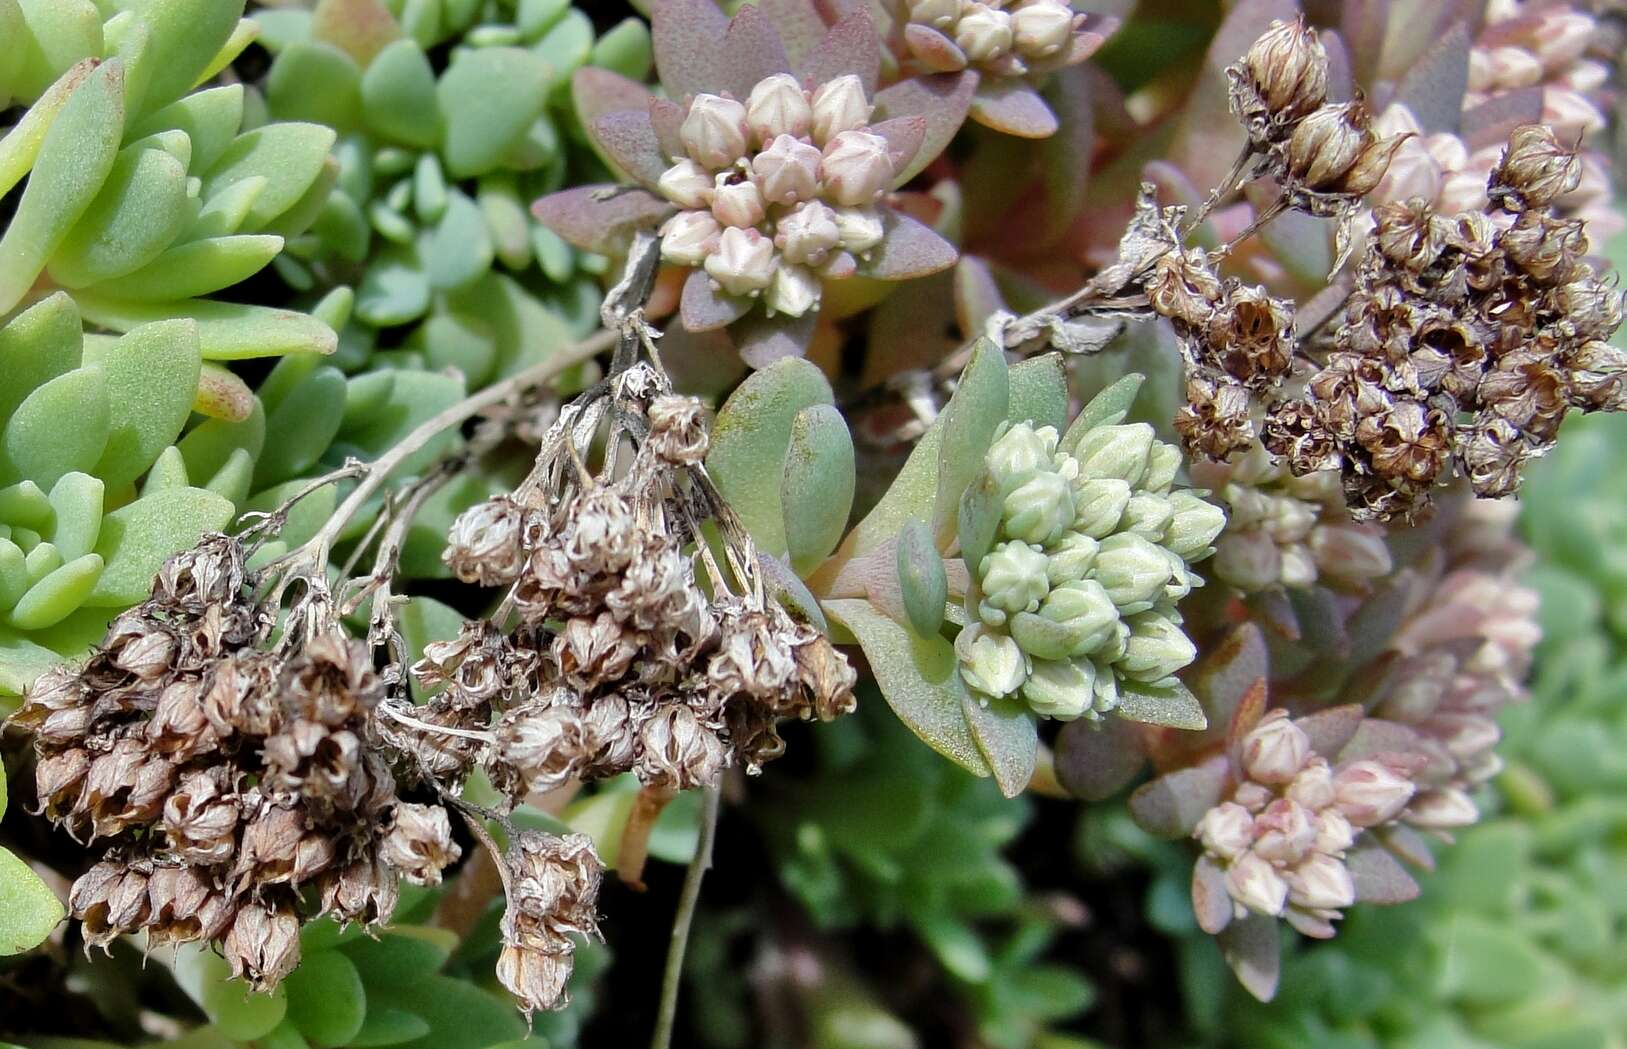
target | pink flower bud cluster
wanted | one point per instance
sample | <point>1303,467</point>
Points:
<point>1278,845</point>
<point>778,192</point>
<point>997,37</point>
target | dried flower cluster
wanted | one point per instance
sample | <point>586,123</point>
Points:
<point>1462,341</point>
<point>1283,530</point>
<point>552,885</point>
<point>998,38</point>
<point>240,789</point>
<point>618,661</point>
<point>1277,845</point>
<point>1076,595</point>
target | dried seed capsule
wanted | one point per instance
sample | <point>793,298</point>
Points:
<point>262,946</point>
<point>1326,145</point>
<point>1289,69</point>
<point>1535,170</point>
<point>419,843</point>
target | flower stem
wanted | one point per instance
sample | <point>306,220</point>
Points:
<point>671,980</point>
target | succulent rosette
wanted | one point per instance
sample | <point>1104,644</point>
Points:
<point>770,165</point>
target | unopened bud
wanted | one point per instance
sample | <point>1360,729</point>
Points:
<point>990,663</point>
<point>839,105</point>
<point>984,33</point>
<point>778,106</point>
<point>1326,144</point>
<point>1131,570</point>
<point>737,201</point>
<point>1443,808</point>
<point>1321,883</point>
<point>1084,612</point>
<point>743,263</point>
<point>1289,68</point>
<point>1060,689</point>
<point>1115,451</point>
<point>714,131</point>
<point>1334,833</point>
<point>1226,830</point>
<point>1350,553</point>
<point>1276,749</point>
<point>1013,577</point>
<point>1071,558</point>
<point>940,14</point>
<point>787,171</point>
<point>860,229</point>
<point>1042,28</point>
<point>794,291</point>
<point>1157,648</point>
<point>1194,524</point>
<point>686,184</point>
<point>1534,170</point>
<point>1099,505</point>
<point>1255,884</point>
<point>1148,516</point>
<point>808,234</point>
<point>1163,463</point>
<point>688,237</point>
<point>1313,786</point>
<point>1039,509</point>
<point>856,168</point>
<point>1019,453</point>
<point>1285,831</point>
<point>1370,793</point>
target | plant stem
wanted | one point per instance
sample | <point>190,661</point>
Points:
<point>671,980</point>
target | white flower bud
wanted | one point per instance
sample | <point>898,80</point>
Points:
<point>1298,566</point>
<point>743,263</point>
<point>1083,609</point>
<point>1163,463</point>
<point>1334,834</point>
<point>983,32</point>
<point>1071,558</point>
<point>1106,692</point>
<point>1226,830</point>
<point>1181,579</point>
<point>1116,451</point>
<point>807,234</point>
<point>856,169</point>
<point>1039,509</point>
<point>990,663</point>
<point>1131,570</point>
<point>940,14</point>
<point>688,237</point>
<point>793,292</point>
<point>1019,453</point>
<point>778,106</point>
<point>737,201</point>
<point>1156,649</point>
<point>839,105</point>
<point>1148,516</point>
<point>1060,689</point>
<point>1562,36</point>
<point>1371,793</point>
<point>1255,884</point>
<point>1284,832</point>
<point>1249,560</point>
<point>787,171</point>
<point>714,131</point>
<point>1042,28</point>
<point>1253,796</point>
<point>1194,525</point>
<point>686,184</point>
<point>1444,808</point>
<point>1313,786</point>
<point>1321,883</point>
<point>860,229</point>
<point>1099,505</point>
<point>1350,553</point>
<point>1013,577</point>
<point>1276,750</point>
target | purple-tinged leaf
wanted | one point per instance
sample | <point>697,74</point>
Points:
<point>1428,22</point>
<point>762,339</point>
<point>1361,27</point>
<point>751,52</point>
<point>1273,610</point>
<point>1171,805</point>
<point>1013,107</point>
<point>1321,623</point>
<point>1434,87</point>
<point>909,249</point>
<point>599,92</point>
<point>943,99</point>
<point>849,46</point>
<point>977,296</point>
<point>1331,729</point>
<point>700,362</point>
<point>1490,122</point>
<point>1307,924</point>
<point>800,26</point>
<point>628,140</point>
<point>1407,844</point>
<point>933,49</point>
<point>1379,877</point>
<point>1211,903</point>
<point>1224,676</point>
<point>1096,759</point>
<point>1252,947</point>
<point>688,37</point>
<point>600,224</point>
<point>904,136</point>
<point>1341,79</point>
<point>1378,738</point>
<point>667,119</point>
<point>705,307</point>
<point>1007,738</point>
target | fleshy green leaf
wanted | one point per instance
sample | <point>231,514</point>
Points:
<point>60,33</point>
<point>395,959</point>
<point>153,372</point>
<point>76,505</point>
<point>209,118</point>
<point>56,596</point>
<point>395,289</point>
<point>460,1015</point>
<point>921,578</point>
<point>141,209</point>
<point>208,446</point>
<point>301,426</point>
<point>969,420</point>
<point>306,517</point>
<point>1039,391</point>
<point>137,538</point>
<point>28,909</point>
<point>326,999</point>
<point>461,248</point>
<point>816,489</point>
<point>230,1006</point>
<point>227,331</point>
<point>195,269</point>
<point>1170,705</point>
<point>289,156</point>
<point>398,96</point>
<point>1008,738</point>
<point>487,99</point>
<point>316,82</point>
<point>36,346</point>
<point>35,444</point>
<point>384,1027</point>
<point>1108,408</point>
<point>186,38</point>
<point>21,661</point>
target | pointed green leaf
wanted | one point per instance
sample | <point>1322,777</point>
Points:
<point>395,290</point>
<point>289,156</point>
<point>307,516</point>
<point>210,119</point>
<point>25,504</point>
<point>981,507</point>
<point>1171,705</point>
<point>12,27</point>
<point>388,1027</point>
<point>60,33</point>
<point>398,96</point>
<point>416,397</point>
<point>13,576</point>
<point>154,371</point>
<point>921,578</point>
<point>225,212</point>
<point>137,538</point>
<point>1108,408</point>
<point>978,407</point>
<point>21,661</point>
<point>394,959</point>
<point>460,1015</point>
<point>227,331</point>
<point>36,346</point>
<point>208,446</point>
<point>300,428</point>
<point>316,82</point>
<point>35,444</point>
<point>186,37</point>
<point>231,1007</point>
<point>168,471</point>
<point>28,909</point>
<point>20,146</point>
<point>195,269</point>
<point>816,488</point>
<point>487,100</point>
<point>43,557</point>
<point>57,595</point>
<point>235,479</point>
<point>76,511</point>
<point>461,247</point>
<point>1039,391</point>
<point>1008,738</point>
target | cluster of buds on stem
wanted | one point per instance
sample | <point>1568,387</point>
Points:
<point>1074,600</point>
<point>1465,339</point>
<point>998,38</point>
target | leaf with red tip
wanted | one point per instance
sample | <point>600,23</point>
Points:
<point>850,46</point>
<point>688,38</point>
<point>628,140</point>
<point>1211,903</point>
<point>933,49</point>
<point>602,225</point>
<point>1329,730</point>
<point>943,99</point>
<point>599,92</point>
<point>800,26</point>
<point>904,136</point>
<point>751,52</point>
<point>762,339</point>
<point>1096,759</point>
<point>1225,675</point>
<point>705,307</point>
<point>1379,877</point>
<point>1253,949</point>
<point>667,118</point>
<point>1171,805</point>
<point>1012,106</point>
<point>1250,709</point>
<point>908,249</point>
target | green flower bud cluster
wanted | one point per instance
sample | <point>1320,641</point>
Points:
<point>1076,592</point>
<point>436,166</point>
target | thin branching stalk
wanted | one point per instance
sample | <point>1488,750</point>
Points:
<point>672,978</point>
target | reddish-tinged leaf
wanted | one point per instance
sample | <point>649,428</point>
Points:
<point>909,249</point>
<point>751,52</point>
<point>628,139</point>
<point>1341,80</point>
<point>800,26</point>
<point>1225,675</point>
<point>1098,30</point>
<point>933,50</point>
<point>1250,709</point>
<point>360,28</point>
<point>1407,844</point>
<point>667,118</point>
<point>762,339</point>
<point>1330,729</point>
<point>1392,741</point>
<point>701,362</point>
<point>1096,759</point>
<point>1361,26</point>
<point>1013,107</point>
<point>707,308</point>
<point>850,46</point>
<point>1171,805</point>
<point>1210,901</point>
<point>688,37</point>
<point>1379,877</point>
<point>943,99</point>
<point>1490,122</point>
<point>600,225</point>
<point>599,92</point>
<point>1434,87</point>
<point>1253,949</point>
<point>904,136</point>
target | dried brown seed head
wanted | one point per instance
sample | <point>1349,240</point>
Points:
<point>486,542</point>
<point>1535,170</point>
<point>678,429</point>
<point>1327,144</point>
<point>1289,69</point>
<point>262,945</point>
<point>419,843</point>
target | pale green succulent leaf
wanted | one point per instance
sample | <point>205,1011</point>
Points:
<point>152,376</point>
<point>196,269</point>
<point>234,1010</point>
<point>386,1026</point>
<point>567,45</point>
<point>210,445</point>
<point>59,33</point>
<point>366,396</point>
<point>816,487</point>
<point>29,910</point>
<point>316,82</point>
<point>327,1001</point>
<point>210,118</point>
<point>187,35</point>
<point>1108,408</point>
<point>1008,738</point>
<point>243,34</point>
<point>979,406</point>
<point>12,27</point>
<point>487,99</point>
<point>140,211</point>
<point>527,330</point>
<point>399,98</point>
<point>137,538</point>
<point>35,444</point>
<point>20,145</point>
<point>57,594</point>
<point>289,156</point>
<point>921,578</point>
<point>303,214</point>
<point>44,341</point>
<point>235,479</point>
<point>1171,705</point>
<point>457,340</point>
<point>415,398</point>
<point>21,661</point>
<point>25,504</point>
<point>300,427</point>
<point>14,579</point>
<point>1039,391</point>
<point>626,49</point>
<point>167,471</point>
<point>76,514</point>
<point>227,331</point>
<point>395,290</point>
<point>224,213</point>
<point>460,250</point>
<point>460,1014</point>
